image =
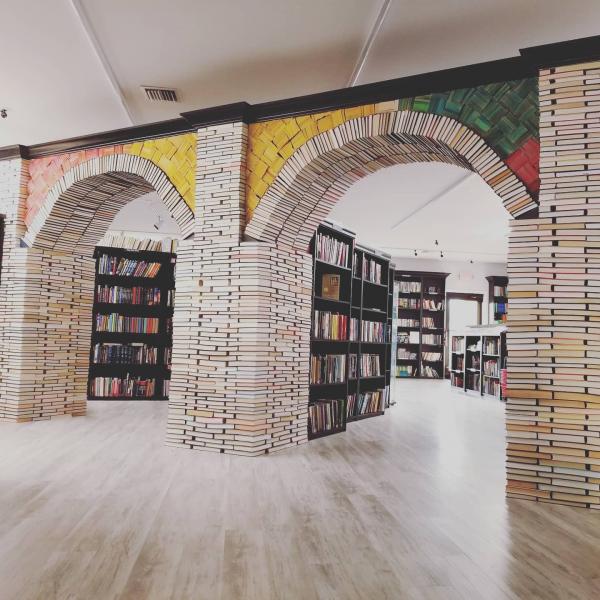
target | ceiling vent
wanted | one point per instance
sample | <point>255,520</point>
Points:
<point>160,94</point>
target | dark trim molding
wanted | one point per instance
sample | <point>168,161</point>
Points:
<point>563,53</point>
<point>16,151</point>
<point>507,69</point>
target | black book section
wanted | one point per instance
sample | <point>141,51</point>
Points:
<point>350,354</point>
<point>132,326</point>
<point>477,359</point>
<point>419,324</point>
<point>498,297</point>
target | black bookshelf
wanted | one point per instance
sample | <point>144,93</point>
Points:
<point>159,343</point>
<point>362,297</point>
<point>421,305</point>
<point>497,297</point>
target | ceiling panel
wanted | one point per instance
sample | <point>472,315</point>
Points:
<point>466,217</point>
<point>424,36</point>
<point>50,80</point>
<point>220,52</point>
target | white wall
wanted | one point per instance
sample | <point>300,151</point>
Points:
<point>464,276</point>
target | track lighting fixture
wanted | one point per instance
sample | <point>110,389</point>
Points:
<point>3,113</point>
<point>415,253</point>
<point>441,254</point>
<point>437,243</point>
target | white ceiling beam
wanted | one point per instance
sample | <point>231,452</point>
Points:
<point>101,56</point>
<point>364,54</point>
<point>451,188</point>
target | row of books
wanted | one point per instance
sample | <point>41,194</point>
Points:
<point>120,324</point>
<point>431,356</point>
<point>330,326</point>
<point>124,354</point>
<point>457,380</point>
<point>371,270</point>
<point>129,387</point>
<point>500,308</point>
<point>500,290</point>
<point>459,363</point>
<point>490,368</point>
<point>432,339</point>
<point>127,267</point>
<point>329,368</point>
<point>429,323</point>
<point>373,331</point>
<point>433,305</point>
<point>331,250</point>
<point>405,371</point>
<point>491,346</point>
<point>325,415</point>
<point>408,337</point>
<point>473,381</point>
<point>144,244</point>
<point>458,344</point>
<point>430,372</point>
<point>475,363</point>
<point>408,322</point>
<point>370,365</point>
<point>409,303</point>
<point>405,354</point>
<point>354,327</point>
<point>409,287</point>
<point>434,290</point>
<point>365,402</point>
<point>117,294</point>
<point>492,387</point>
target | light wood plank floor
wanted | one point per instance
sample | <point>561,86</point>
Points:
<point>408,505</point>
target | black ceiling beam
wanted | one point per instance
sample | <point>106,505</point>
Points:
<point>507,69</point>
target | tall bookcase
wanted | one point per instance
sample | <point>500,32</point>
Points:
<point>130,355</point>
<point>350,339</point>
<point>419,324</point>
<point>498,297</point>
<point>476,360</point>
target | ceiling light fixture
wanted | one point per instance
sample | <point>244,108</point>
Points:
<point>3,113</point>
<point>441,254</point>
<point>415,253</point>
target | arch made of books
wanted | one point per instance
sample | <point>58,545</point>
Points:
<point>320,171</point>
<point>47,373</point>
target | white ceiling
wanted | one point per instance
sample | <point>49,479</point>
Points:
<point>54,84</point>
<point>408,207</point>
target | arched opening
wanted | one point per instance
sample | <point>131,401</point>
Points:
<point>318,174</point>
<point>62,236</point>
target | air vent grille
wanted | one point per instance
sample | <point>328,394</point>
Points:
<point>160,94</point>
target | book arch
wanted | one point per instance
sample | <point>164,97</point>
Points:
<point>59,260</point>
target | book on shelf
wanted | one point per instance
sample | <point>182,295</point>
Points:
<point>499,291</point>
<point>492,387</point>
<point>409,287</point>
<point>330,286</point>
<point>433,305</point>
<point>123,354</point>
<point>403,353</point>
<point>117,294</point>
<point>352,366</point>
<point>116,323</point>
<point>167,245</point>
<point>459,363</point>
<point>473,381</point>
<point>457,380</point>
<point>367,402</point>
<point>408,322</point>
<point>430,372</point>
<point>429,323</point>
<point>371,270</point>
<point>325,415</point>
<point>432,339</point>
<point>370,365</point>
<point>128,387</point>
<point>127,267</point>
<point>373,331</point>
<point>329,368</point>
<point>331,250</point>
<point>405,371</point>
<point>458,344</point>
<point>330,326</point>
<point>354,329</point>
<point>490,368</point>
<point>491,346</point>
<point>431,356</point>
<point>409,303</point>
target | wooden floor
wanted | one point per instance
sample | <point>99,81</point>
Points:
<point>408,505</point>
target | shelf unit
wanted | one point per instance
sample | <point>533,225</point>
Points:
<point>476,361</point>
<point>365,299</point>
<point>157,304</point>
<point>497,297</point>
<point>419,324</point>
